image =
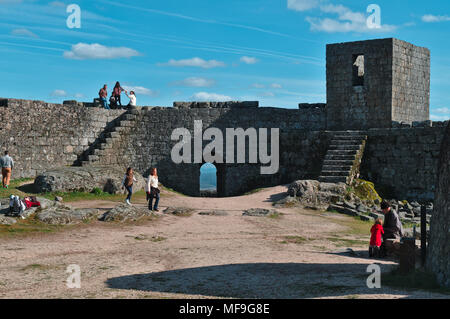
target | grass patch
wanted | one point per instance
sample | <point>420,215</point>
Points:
<point>28,226</point>
<point>355,226</point>
<point>97,194</point>
<point>417,280</point>
<point>36,267</point>
<point>343,242</point>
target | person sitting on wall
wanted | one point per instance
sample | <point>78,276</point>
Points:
<point>103,94</point>
<point>116,93</point>
<point>392,226</point>
<point>132,98</point>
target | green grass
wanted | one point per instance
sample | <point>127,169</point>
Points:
<point>253,191</point>
<point>417,280</point>
<point>344,242</point>
<point>28,226</point>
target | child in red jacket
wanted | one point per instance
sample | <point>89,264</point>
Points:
<point>375,240</point>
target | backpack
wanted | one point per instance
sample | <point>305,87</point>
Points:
<point>16,206</point>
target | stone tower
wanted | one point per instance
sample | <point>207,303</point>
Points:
<point>372,83</point>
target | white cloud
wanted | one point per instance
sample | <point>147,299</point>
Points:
<point>267,94</point>
<point>258,86</point>
<point>347,21</point>
<point>139,90</point>
<point>195,62</point>
<point>195,82</point>
<point>439,118</point>
<point>302,5</point>
<point>84,51</point>
<point>249,60</point>
<point>79,95</point>
<point>210,97</point>
<point>58,93</point>
<point>433,18</point>
<point>276,86</point>
<point>23,32</point>
<point>443,110</point>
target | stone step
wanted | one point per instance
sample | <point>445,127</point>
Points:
<point>112,134</point>
<point>335,173</point>
<point>349,133</point>
<point>346,147</point>
<point>329,168</point>
<point>342,152</point>
<point>125,123</point>
<point>346,141</point>
<point>129,117</point>
<point>93,158</point>
<point>120,129</point>
<point>347,163</point>
<point>350,137</point>
<point>332,157</point>
<point>333,179</point>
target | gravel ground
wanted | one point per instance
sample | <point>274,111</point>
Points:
<point>197,256</point>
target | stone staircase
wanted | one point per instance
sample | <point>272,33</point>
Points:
<point>102,151</point>
<point>343,158</point>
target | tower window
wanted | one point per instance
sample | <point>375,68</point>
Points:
<point>358,70</point>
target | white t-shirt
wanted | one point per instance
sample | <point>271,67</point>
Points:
<point>152,182</point>
<point>132,99</point>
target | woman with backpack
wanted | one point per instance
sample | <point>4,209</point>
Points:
<point>128,181</point>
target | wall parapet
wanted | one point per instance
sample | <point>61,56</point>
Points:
<point>219,105</point>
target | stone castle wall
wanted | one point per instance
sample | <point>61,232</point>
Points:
<point>372,83</point>
<point>42,135</point>
<point>403,162</point>
<point>439,247</point>
<point>148,144</point>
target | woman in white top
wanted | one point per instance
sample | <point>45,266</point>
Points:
<point>153,190</point>
<point>132,98</point>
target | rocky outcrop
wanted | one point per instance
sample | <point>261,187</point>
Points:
<point>85,179</point>
<point>125,213</point>
<point>311,192</point>
<point>439,247</point>
<point>260,212</point>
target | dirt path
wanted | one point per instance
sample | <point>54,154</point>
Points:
<point>198,256</point>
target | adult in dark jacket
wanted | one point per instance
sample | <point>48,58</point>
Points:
<point>392,225</point>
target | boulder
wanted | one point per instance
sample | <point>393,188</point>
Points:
<point>59,214</point>
<point>85,179</point>
<point>7,220</point>
<point>125,212</point>
<point>311,192</point>
<point>179,211</point>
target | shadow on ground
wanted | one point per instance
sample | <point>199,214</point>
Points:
<point>259,280</point>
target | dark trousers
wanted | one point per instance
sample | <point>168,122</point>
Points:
<point>130,191</point>
<point>150,201</point>
<point>374,251</point>
<point>117,97</point>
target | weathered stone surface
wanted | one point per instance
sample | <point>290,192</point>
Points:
<point>260,212</point>
<point>59,214</point>
<point>7,220</point>
<point>439,246</point>
<point>69,179</point>
<point>313,192</point>
<point>214,213</point>
<point>125,212</point>
<point>179,211</point>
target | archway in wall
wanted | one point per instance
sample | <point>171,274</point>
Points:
<point>211,180</point>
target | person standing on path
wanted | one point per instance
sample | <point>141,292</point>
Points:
<point>127,182</point>
<point>153,190</point>
<point>7,164</point>
<point>103,95</point>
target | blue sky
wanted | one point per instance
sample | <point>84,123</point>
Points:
<point>171,50</point>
